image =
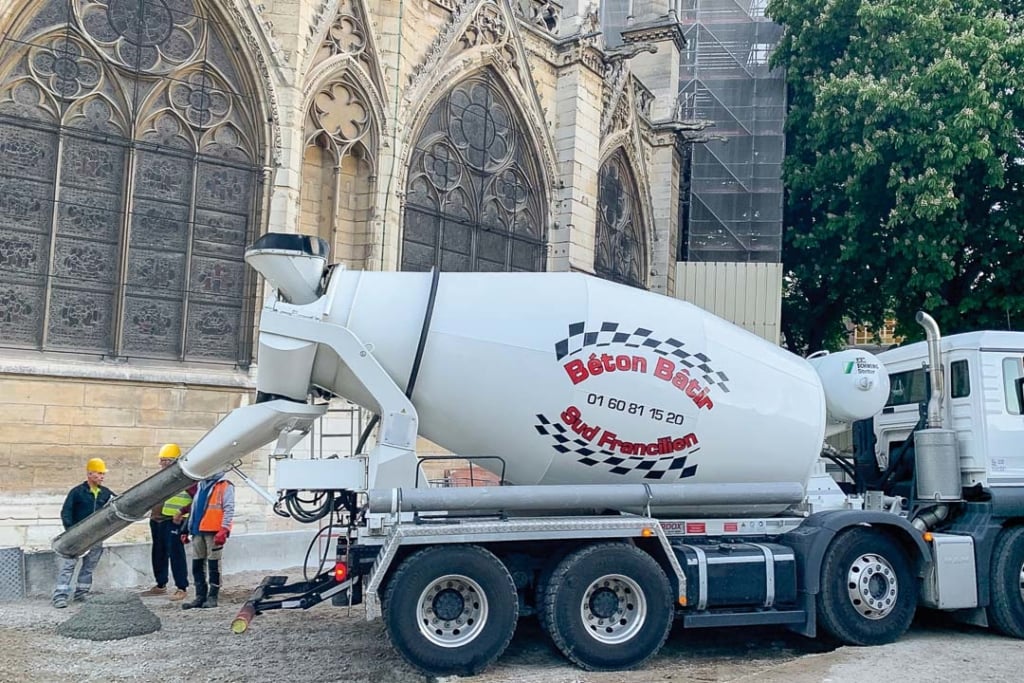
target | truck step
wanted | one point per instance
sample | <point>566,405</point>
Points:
<point>716,619</point>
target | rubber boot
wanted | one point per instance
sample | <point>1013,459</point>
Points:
<point>211,600</point>
<point>199,575</point>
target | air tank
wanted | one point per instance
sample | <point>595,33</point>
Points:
<point>571,379</point>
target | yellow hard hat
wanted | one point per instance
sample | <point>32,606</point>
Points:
<point>96,465</point>
<point>170,451</point>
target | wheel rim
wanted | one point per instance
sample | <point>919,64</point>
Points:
<point>613,609</point>
<point>1020,581</point>
<point>872,586</point>
<point>452,610</point>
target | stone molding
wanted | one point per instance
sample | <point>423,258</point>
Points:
<point>124,372</point>
<point>477,37</point>
<point>329,13</point>
<point>656,31</point>
<point>260,43</point>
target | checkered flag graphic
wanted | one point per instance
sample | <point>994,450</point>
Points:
<point>579,339</point>
<point>608,333</point>
<point>662,467</point>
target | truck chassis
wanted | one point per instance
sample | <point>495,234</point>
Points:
<point>607,589</point>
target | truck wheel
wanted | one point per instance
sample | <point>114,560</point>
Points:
<point>868,591</point>
<point>608,607</point>
<point>540,593</point>
<point>543,581</point>
<point>1007,609</point>
<point>451,610</point>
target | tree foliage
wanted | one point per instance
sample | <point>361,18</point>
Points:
<point>904,164</point>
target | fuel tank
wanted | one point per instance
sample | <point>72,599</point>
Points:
<point>571,379</point>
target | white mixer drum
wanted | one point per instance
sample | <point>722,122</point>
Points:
<point>574,380</point>
<point>856,384</point>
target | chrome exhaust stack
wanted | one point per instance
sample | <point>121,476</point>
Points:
<point>935,370</point>
<point>936,455</point>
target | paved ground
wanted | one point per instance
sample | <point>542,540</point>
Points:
<point>328,644</point>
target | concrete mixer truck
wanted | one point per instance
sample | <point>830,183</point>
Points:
<point>658,464</point>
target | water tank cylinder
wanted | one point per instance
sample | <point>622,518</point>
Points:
<point>855,383</point>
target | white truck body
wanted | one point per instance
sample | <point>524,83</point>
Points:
<point>570,379</point>
<point>620,518</point>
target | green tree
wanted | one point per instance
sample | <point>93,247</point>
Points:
<point>904,165</point>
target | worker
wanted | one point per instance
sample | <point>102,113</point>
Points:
<point>166,532</point>
<point>209,524</point>
<point>81,501</point>
<point>180,519</point>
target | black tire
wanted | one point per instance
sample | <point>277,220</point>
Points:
<point>451,610</point>
<point>608,607</point>
<point>1006,611</point>
<point>543,581</point>
<point>868,591</point>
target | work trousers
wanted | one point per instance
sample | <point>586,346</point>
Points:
<point>167,546</point>
<point>203,547</point>
<point>66,571</point>
<point>206,552</point>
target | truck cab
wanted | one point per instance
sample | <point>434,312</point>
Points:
<point>982,373</point>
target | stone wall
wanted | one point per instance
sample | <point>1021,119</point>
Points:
<point>57,412</point>
<point>51,426</point>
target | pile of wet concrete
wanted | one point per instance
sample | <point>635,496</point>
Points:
<point>113,616</point>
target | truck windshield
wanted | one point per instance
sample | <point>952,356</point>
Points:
<point>907,387</point>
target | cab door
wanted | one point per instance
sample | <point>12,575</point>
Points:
<point>1005,418</point>
<point>964,414</point>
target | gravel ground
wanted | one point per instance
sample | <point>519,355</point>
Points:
<point>330,644</point>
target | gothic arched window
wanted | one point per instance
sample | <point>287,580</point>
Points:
<point>338,170</point>
<point>339,164</point>
<point>619,252</point>
<point>474,199</point>
<point>130,154</point>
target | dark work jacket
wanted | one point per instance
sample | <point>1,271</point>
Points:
<point>80,503</point>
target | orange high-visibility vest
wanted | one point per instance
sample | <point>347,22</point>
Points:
<point>213,518</point>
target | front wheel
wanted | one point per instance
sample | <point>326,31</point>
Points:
<point>868,591</point>
<point>451,610</point>
<point>608,607</point>
<point>1007,609</point>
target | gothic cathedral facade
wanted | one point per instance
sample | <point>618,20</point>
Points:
<point>145,143</point>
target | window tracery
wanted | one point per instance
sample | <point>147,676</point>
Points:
<point>474,197</point>
<point>619,251</point>
<point>129,154</point>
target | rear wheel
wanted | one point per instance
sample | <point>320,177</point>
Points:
<point>543,581</point>
<point>608,607</point>
<point>868,591</point>
<point>451,610</point>
<point>1007,609</point>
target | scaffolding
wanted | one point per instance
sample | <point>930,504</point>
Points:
<point>735,211</point>
<point>731,199</point>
